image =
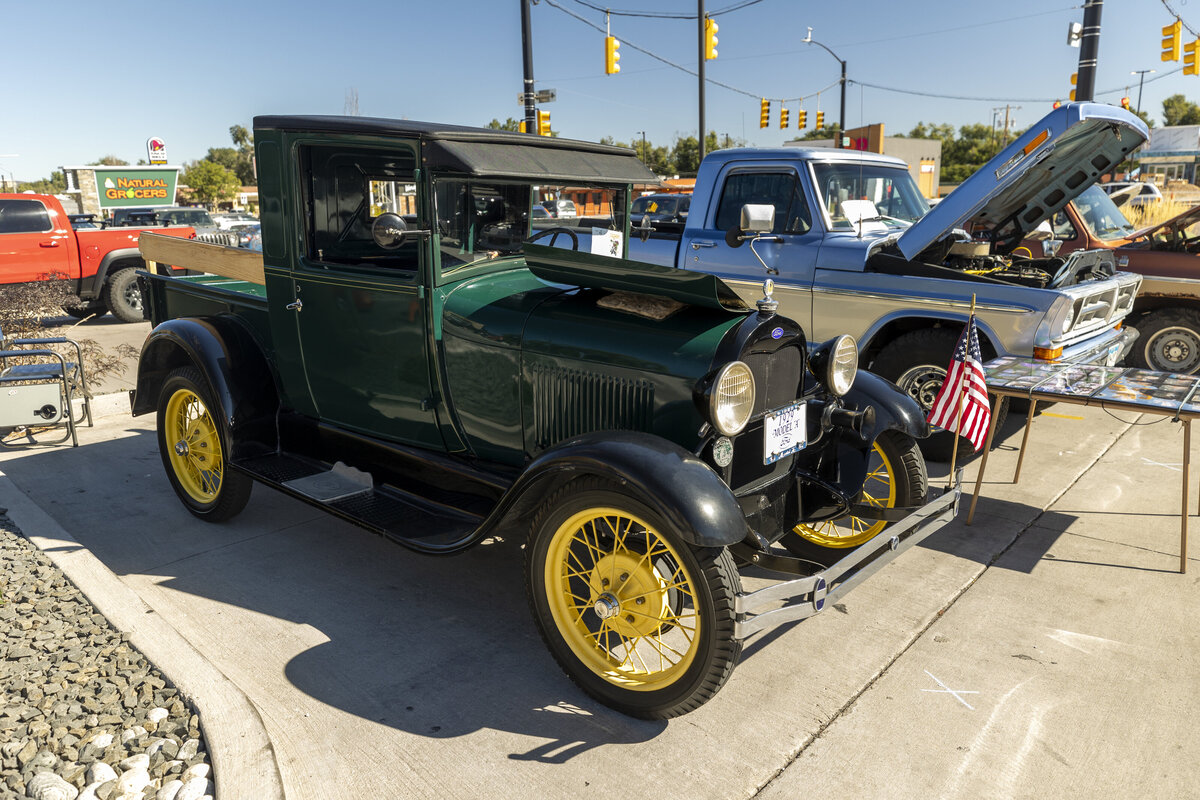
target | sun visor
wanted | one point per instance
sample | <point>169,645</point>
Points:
<point>535,162</point>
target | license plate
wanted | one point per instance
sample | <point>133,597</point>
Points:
<point>784,432</point>
<point>1114,354</point>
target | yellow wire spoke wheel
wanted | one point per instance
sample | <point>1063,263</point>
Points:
<point>879,489</point>
<point>195,446</point>
<point>621,599</point>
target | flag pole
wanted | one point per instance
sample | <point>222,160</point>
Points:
<point>961,399</point>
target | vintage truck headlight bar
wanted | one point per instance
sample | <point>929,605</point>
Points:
<point>836,363</point>
<point>731,400</point>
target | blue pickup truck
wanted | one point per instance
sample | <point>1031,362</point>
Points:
<point>856,249</point>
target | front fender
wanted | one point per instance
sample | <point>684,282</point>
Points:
<point>674,482</point>
<point>894,410</point>
<point>233,364</point>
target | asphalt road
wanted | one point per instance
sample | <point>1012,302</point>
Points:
<point>1049,650</point>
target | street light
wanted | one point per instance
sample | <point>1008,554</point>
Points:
<point>809,40</point>
<point>643,153</point>
<point>1141,73</point>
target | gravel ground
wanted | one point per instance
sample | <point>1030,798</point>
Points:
<point>83,715</point>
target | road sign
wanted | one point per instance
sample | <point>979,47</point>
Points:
<point>543,96</point>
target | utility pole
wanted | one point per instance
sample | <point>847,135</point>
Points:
<point>531,125</point>
<point>1089,50</point>
<point>1141,73</point>
<point>842,132</point>
<point>700,50</point>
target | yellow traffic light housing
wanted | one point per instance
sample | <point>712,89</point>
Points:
<point>710,39</point>
<point>764,115</point>
<point>1074,82</point>
<point>1190,65</point>
<point>611,56</point>
<point>820,120</point>
<point>1125,103</point>
<point>543,123</point>
<point>802,119</point>
<point>1170,43</point>
<point>783,117</point>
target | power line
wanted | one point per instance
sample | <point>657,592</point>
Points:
<point>1118,90</point>
<point>1175,14</point>
<point>667,14</point>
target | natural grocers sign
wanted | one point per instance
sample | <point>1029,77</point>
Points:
<point>130,188</point>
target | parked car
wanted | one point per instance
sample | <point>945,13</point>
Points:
<point>1132,193</point>
<point>84,221</point>
<point>661,208</point>
<point>245,233</point>
<point>560,209</point>
<point>228,220</point>
<point>640,428</point>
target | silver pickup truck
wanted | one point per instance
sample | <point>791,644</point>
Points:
<point>854,248</point>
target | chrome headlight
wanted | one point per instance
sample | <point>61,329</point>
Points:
<point>836,363</point>
<point>731,400</point>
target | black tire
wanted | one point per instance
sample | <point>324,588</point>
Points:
<point>83,309</point>
<point>896,476</point>
<point>1168,341</point>
<point>576,569</point>
<point>193,443</point>
<point>123,296</point>
<point>916,362</point>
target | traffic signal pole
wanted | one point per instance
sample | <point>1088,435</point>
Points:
<point>700,46</point>
<point>531,122</point>
<point>1089,50</point>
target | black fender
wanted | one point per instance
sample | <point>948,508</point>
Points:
<point>90,287</point>
<point>677,484</point>
<point>894,409</point>
<point>235,367</point>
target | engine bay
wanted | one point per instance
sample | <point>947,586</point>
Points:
<point>973,258</point>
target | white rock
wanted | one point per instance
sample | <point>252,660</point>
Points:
<point>49,786</point>
<point>157,715</point>
<point>195,771</point>
<point>132,781</point>
<point>139,761</point>
<point>89,792</point>
<point>169,791</point>
<point>132,733</point>
<point>155,746</point>
<point>103,740</point>
<point>195,789</point>
<point>100,773</point>
<point>189,749</point>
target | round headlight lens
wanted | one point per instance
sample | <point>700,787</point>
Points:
<point>732,399</point>
<point>843,365</point>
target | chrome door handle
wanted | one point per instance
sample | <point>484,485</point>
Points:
<point>296,306</point>
<point>698,245</point>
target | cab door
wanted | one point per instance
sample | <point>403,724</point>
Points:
<point>32,246</point>
<point>359,310</point>
<point>794,255</point>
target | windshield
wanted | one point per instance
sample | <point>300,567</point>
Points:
<point>1102,216</point>
<point>891,189</point>
<point>192,216</point>
<point>655,205</point>
<point>480,220</point>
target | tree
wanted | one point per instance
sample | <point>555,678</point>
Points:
<point>1178,111</point>
<point>109,161</point>
<point>57,182</point>
<point>210,182</point>
<point>509,124</point>
<point>686,155</point>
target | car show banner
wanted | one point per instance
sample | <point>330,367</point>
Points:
<point>133,187</point>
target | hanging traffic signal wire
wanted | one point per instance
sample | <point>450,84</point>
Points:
<point>1179,19</point>
<point>667,14</point>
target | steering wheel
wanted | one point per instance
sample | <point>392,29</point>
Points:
<point>553,234</point>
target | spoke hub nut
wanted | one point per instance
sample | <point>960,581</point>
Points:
<point>607,606</point>
<point>181,448</point>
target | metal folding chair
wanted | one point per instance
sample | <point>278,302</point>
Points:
<point>39,392</point>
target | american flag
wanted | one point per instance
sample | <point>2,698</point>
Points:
<point>964,376</point>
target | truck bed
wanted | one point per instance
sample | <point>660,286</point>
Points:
<point>233,284</point>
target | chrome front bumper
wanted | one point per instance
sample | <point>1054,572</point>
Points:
<point>803,597</point>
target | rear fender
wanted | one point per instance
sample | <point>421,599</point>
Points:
<point>232,363</point>
<point>90,286</point>
<point>673,482</point>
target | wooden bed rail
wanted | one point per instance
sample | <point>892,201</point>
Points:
<point>237,263</point>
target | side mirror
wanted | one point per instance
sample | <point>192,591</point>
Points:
<point>757,218</point>
<point>1050,247</point>
<point>645,228</point>
<point>388,231</point>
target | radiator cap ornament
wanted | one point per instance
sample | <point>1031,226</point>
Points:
<point>767,305</point>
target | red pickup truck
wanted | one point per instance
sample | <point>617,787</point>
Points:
<point>37,242</point>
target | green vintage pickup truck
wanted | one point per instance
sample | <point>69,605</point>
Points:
<point>420,351</point>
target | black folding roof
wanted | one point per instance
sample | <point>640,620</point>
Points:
<point>484,151</point>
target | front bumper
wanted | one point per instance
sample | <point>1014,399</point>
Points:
<point>803,597</point>
<point>1108,352</point>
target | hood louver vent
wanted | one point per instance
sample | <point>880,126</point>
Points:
<point>569,402</point>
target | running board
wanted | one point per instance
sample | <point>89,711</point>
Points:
<point>804,597</point>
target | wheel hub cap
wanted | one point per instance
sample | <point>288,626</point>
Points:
<point>607,606</point>
<point>629,594</point>
<point>181,448</point>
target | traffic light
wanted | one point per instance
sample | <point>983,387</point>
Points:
<point>1074,82</point>
<point>543,122</point>
<point>1190,67</point>
<point>802,119</point>
<point>1170,43</point>
<point>764,116</point>
<point>611,56</point>
<point>710,39</point>
<point>1125,103</point>
<point>783,117</point>
<point>1057,104</point>
<point>820,120</point>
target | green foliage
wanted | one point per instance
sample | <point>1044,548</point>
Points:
<point>109,161</point>
<point>210,182</point>
<point>1177,110</point>
<point>57,182</point>
<point>682,158</point>
<point>509,124</point>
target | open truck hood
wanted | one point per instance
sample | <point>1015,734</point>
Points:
<point>1044,169</point>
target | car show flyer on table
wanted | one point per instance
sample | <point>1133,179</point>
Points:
<point>1126,385</point>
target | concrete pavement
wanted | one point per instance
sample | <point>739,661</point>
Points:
<point>1045,651</point>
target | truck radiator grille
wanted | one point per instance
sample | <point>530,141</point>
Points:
<point>221,238</point>
<point>776,377</point>
<point>569,402</point>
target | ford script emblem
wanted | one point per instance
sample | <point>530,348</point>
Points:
<point>778,332</point>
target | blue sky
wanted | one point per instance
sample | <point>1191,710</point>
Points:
<point>101,78</point>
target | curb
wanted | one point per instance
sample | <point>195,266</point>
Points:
<point>234,732</point>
